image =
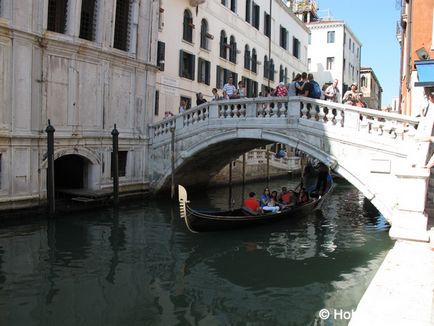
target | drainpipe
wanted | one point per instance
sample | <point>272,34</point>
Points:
<point>409,47</point>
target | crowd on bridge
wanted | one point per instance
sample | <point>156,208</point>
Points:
<point>303,84</point>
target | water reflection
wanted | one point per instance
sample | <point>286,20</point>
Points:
<point>140,266</point>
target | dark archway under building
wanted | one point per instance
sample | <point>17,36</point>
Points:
<point>69,172</point>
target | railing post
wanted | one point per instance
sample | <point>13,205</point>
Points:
<point>251,109</point>
<point>352,120</point>
<point>213,110</point>
<point>293,109</point>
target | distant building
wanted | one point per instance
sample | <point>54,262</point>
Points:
<point>415,33</point>
<point>371,88</point>
<point>203,42</point>
<point>334,52</point>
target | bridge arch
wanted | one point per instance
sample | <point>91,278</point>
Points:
<point>373,150</point>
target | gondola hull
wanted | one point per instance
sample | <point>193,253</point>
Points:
<point>208,221</point>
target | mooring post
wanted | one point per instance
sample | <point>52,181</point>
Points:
<point>268,168</point>
<point>115,166</point>
<point>50,169</point>
<point>243,188</point>
<point>230,185</point>
<point>172,158</point>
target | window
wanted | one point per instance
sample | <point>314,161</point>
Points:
<point>330,63</point>
<point>186,65</point>
<point>203,34</point>
<point>234,5</point>
<point>122,163</point>
<point>122,25</point>
<point>309,61</point>
<point>331,37</point>
<point>296,47</point>
<point>255,16</point>
<point>223,75</point>
<point>161,54</point>
<point>281,74</point>
<point>88,20</point>
<point>363,82</point>
<point>357,52</point>
<point>247,57</point>
<point>254,66</point>
<point>187,31</point>
<point>266,67</point>
<point>283,37</point>
<point>286,75</point>
<point>223,45</point>
<point>248,10</point>
<point>353,47</point>
<point>271,74</point>
<point>56,20</point>
<point>267,24</point>
<point>349,43</point>
<point>251,87</point>
<point>203,71</point>
<point>343,66</point>
<point>233,50</point>
<point>157,103</point>
<point>223,2</point>
<point>345,38</point>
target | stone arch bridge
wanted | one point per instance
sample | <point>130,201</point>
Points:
<point>377,152</point>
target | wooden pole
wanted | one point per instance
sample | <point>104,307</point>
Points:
<point>268,168</point>
<point>243,188</point>
<point>50,170</point>
<point>172,153</point>
<point>115,167</point>
<point>230,185</point>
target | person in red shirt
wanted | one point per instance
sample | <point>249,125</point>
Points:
<point>251,203</point>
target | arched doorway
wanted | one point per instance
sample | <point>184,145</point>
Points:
<point>70,172</point>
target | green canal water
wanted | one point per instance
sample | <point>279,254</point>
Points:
<point>143,267</point>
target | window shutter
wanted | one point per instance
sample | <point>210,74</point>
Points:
<point>207,72</point>
<point>181,63</point>
<point>193,61</point>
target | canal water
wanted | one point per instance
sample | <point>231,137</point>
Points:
<point>143,267</point>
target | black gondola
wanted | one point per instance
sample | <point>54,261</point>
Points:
<point>206,221</point>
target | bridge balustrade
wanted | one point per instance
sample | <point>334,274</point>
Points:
<point>366,121</point>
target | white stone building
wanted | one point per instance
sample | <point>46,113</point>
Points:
<point>203,42</point>
<point>334,52</point>
<point>85,65</point>
<point>371,88</point>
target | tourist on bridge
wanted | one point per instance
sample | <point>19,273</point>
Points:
<point>292,86</point>
<point>281,90</point>
<point>360,103</point>
<point>215,95</point>
<point>332,93</point>
<point>199,99</point>
<point>230,88</point>
<point>300,84</point>
<point>182,106</point>
<point>350,96</point>
<point>242,92</point>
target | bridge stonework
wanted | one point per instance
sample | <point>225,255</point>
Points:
<point>377,152</point>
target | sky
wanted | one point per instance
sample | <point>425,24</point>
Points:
<point>374,24</point>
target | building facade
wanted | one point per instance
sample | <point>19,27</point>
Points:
<point>85,65</point>
<point>203,42</point>
<point>415,33</point>
<point>334,52</point>
<point>371,88</point>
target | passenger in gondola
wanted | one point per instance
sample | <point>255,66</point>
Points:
<point>251,204</point>
<point>265,197</point>
<point>303,196</point>
<point>285,197</point>
<point>272,206</point>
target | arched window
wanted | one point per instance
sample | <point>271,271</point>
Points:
<point>266,67</point>
<point>233,50</point>
<point>271,74</point>
<point>281,74</point>
<point>285,80</point>
<point>188,26</point>
<point>254,66</point>
<point>203,34</point>
<point>363,82</point>
<point>247,57</point>
<point>223,45</point>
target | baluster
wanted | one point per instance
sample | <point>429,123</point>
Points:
<point>312,112</point>
<point>399,131</point>
<point>275,110</point>
<point>243,110</point>
<point>388,129</point>
<point>267,110</point>
<point>304,110</point>
<point>235,111</point>
<point>330,116</point>
<point>375,127</point>
<point>364,124</point>
<point>321,114</point>
<point>339,118</point>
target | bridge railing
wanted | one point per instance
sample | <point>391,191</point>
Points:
<point>367,121</point>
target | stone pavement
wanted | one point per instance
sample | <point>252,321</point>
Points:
<point>401,292</point>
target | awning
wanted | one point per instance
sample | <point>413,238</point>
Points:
<point>425,73</point>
